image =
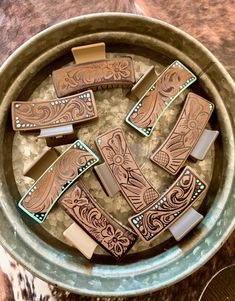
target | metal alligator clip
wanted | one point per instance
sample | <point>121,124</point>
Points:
<point>155,94</point>
<point>188,137</point>
<point>94,71</point>
<point>173,209</point>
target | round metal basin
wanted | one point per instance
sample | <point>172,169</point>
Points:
<point>147,271</point>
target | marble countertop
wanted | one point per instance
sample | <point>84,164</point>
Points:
<point>211,22</point>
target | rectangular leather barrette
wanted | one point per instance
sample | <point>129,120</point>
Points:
<point>122,171</point>
<point>40,198</point>
<point>94,71</point>
<point>188,135</point>
<point>93,225</point>
<point>156,94</point>
<point>54,118</point>
<point>173,209</point>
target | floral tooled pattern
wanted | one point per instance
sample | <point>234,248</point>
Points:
<point>118,157</point>
<point>29,115</point>
<point>115,240</point>
<point>170,83</point>
<point>117,70</point>
<point>137,190</point>
<point>184,136</point>
<point>82,207</point>
<point>109,71</point>
<point>185,191</point>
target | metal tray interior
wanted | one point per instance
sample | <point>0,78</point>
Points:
<point>42,249</point>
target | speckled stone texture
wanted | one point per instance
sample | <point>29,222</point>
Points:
<point>211,22</point>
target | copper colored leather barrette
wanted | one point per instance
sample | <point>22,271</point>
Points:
<point>188,135</point>
<point>54,118</point>
<point>121,172</point>
<point>173,210</point>
<point>155,94</point>
<point>61,173</point>
<point>92,70</point>
<point>93,225</point>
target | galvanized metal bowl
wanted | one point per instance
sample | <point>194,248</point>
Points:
<point>140,273</point>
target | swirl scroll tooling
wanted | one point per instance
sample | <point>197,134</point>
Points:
<point>148,110</point>
<point>48,187</point>
<point>37,115</point>
<point>179,197</point>
<point>101,73</point>
<point>84,210</point>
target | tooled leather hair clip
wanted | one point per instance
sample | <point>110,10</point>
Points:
<point>155,94</point>
<point>54,119</point>
<point>59,183</point>
<point>121,172</point>
<point>92,70</point>
<point>173,209</point>
<point>188,137</point>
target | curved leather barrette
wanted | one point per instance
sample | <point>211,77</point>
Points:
<point>93,225</point>
<point>188,135</point>
<point>122,172</point>
<point>93,71</point>
<point>54,118</point>
<point>156,94</point>
<point>172,209</point>
<point>44,193</point>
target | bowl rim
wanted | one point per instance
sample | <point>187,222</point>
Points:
<point>135,290</point>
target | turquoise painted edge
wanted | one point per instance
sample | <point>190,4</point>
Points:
<point>71,183</point>
<point>156,203</point>
<point>184,88</point>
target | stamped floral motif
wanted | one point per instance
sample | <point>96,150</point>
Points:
<point>134,186</point>
<point>117,70</point>
<point>37,115</point>
<point>85,211</point>
<point>95,74</point>
<point>115,240</point>
<point>148,110</point>
<point>177,147</point>
<point>176,200</point>
<point>118,157</point>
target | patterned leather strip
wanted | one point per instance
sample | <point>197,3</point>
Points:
<point>191,123</point>
<point>149,109</point>
<point>81,206</point>
<point>37,115</point>
<point>99,74</point>
<point>40,198</point>
<point>138,192</point>
<point>159,216</point>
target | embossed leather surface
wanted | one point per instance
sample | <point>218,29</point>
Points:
<point>213,25</point>
<point>99,74</point>
<point>160,215</point>
<point>191,123</point>
<point>148,110</point>
<point>82,207</point>
<point>40,198</point>
<point>138,192</point>
<point>56,112</point>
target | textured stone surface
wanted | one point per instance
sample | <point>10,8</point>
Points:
<point>211,23</point>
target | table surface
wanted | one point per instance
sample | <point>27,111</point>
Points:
<point>211,22</point>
